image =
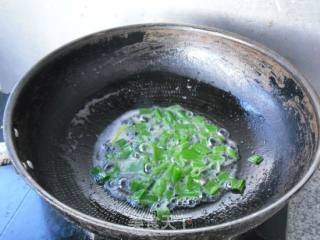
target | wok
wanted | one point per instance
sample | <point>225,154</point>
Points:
<point>57,111</point>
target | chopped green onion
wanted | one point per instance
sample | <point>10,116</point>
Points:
<point>255,159</point>
<point>212,187</point>
<point>162,213</point>
<point>190,154</point>
<point>237,184</point>
<point>165,153</point>
<point>121,130</point>
<point>232,153</point>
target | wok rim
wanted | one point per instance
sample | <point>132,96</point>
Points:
<point>89,220</point>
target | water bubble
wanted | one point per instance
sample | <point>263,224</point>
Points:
<point>170,188</point>
<point>191,203</point>
<point>232,144</point>
<point>189,114</point>
<point>143,147</point>
<point>147,168</point>
<point>204,195</point>
<point>202,181</point>
<point>144,118</point>
<point>108,166</point>
<point>122,183</point>
<point>211,142</point>
<point>224,132</point>
<point>112,183</point>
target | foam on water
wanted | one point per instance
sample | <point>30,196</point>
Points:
<point>83,114</point>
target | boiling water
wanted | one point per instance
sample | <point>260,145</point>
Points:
<point>119,188</point>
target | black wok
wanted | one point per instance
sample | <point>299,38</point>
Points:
<point>56,112</point>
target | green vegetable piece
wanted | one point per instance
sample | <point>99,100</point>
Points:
<point>237,184</point>
<point>198,120</point>
<point>96,170</point>
<point>212,187</point>
<point>219,138</point>
<point>232,153</point>
<point>157,152</point>
<point>145,111</point>
<point>211,128</point>
<point>162,213</point>
<point>219,150</point>
<point>169,116</point>
<point>168,194</point>
<point>160,168</point>
<point>136,185</point>
<point>121,143</point>
<point>164,138</point>
<point>180,127</point>
<point>110,156</point>
<point>193,186</point>
<point>124,153</point>
<point>223,177</point>
<point>182,115</point>
<point>158,114</point>
<point>119,132</point>
<point>201,148</point>
<point>136,196</point>
<point>146,200</point>
<point>182,191</point>
<point>191,154</point>
<point>176,173</point>
<point>216,157</point>
<point>196,165</point>
<point>159,187</point>
<point>255,159</point>
<point>136,166</point>
<point>100,176</point>
<point>141,129</point>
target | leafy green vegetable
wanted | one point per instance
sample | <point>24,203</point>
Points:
<point>237,184</point>
<point>163,213</point>
<point>232,153</point>
<point>255,159</point>
<point>212,187</point>
<point>222,177</point>
<point>176,173</point>
<point>191,154</point>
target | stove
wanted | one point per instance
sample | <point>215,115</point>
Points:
<point>33,218</point>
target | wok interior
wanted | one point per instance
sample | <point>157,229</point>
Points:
<point>74,94</point>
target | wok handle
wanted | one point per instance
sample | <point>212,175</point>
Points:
<point>4,156</point>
